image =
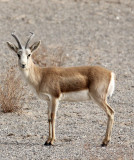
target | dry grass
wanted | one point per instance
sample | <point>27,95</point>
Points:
<point>11,92</point>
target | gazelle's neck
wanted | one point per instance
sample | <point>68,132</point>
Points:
<point>32,74</point>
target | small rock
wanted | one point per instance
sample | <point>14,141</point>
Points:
<point>11,134</point>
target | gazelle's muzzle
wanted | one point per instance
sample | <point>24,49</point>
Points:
<point>23,66</point>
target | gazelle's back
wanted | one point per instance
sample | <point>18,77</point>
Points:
<point>76,78</point>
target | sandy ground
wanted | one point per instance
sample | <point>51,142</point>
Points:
<point>89,32</point>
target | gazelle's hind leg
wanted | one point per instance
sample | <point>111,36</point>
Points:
<point>110,113</point>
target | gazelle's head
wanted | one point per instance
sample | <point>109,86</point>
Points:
<point>23,52</point>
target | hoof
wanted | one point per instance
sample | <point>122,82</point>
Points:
<point>47,143</point>
<point>103,145</point>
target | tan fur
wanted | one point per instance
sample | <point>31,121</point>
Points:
<point>57,80</point>
<point>53,83</point>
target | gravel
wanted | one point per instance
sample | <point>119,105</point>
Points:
<point>90,32</point>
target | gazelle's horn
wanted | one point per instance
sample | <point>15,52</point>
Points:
<point>17,40</point>
<point>31,36</point>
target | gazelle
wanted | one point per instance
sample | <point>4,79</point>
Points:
<point>66,84</point>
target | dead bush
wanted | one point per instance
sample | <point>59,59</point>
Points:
<point>11,91</point>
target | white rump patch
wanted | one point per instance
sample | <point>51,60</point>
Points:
<point>76,96</point>
<point>111,85</point>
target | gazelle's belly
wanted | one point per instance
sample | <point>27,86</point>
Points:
<point>76,96</point>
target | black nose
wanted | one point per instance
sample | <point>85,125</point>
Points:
<point>23,65</point>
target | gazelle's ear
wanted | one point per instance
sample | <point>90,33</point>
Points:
<point>12,47</point>
<point>35,46</point>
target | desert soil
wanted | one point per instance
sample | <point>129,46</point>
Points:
<point>85,32</point>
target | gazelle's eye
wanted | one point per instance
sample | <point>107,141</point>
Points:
<point>28,55</point>
<point>18,56</point>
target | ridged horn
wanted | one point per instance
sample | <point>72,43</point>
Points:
<point>31,36</point>
<point>17,40</point>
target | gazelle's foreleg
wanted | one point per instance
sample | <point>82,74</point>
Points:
<point>51,119</point>
<point>49,122</point>
<point>55,103</point>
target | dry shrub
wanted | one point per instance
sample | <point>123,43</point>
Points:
<point>49,56</point>
<point>11,92</point>
<point>39,57</point>
<point>56,56</point>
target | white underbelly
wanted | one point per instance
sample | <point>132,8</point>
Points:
<point>76,96</point>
